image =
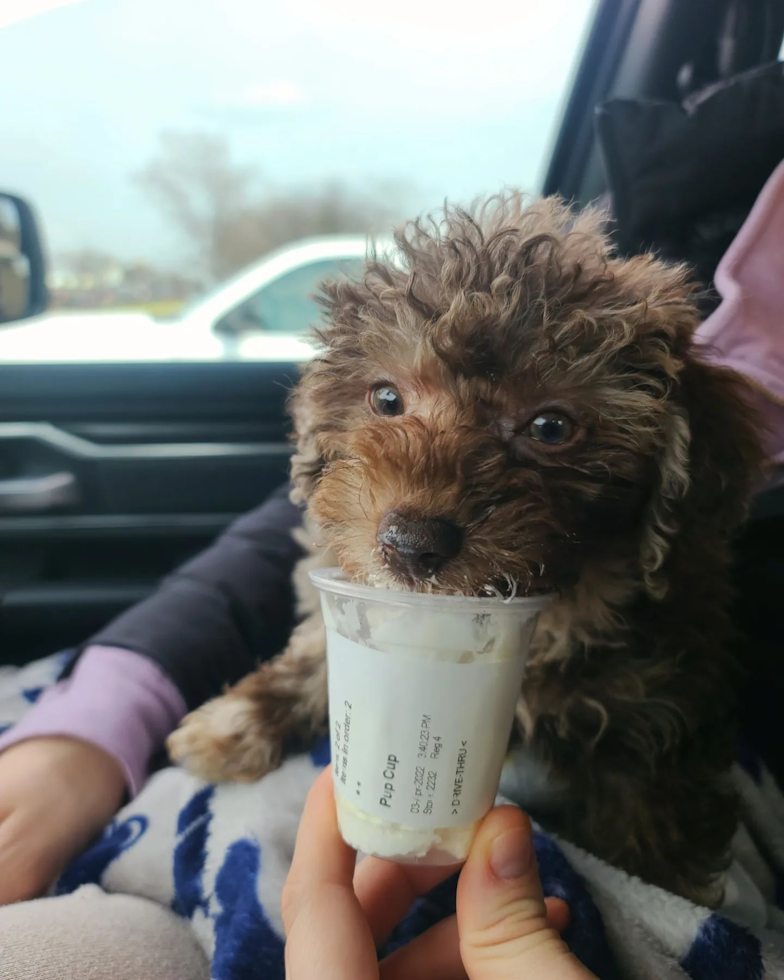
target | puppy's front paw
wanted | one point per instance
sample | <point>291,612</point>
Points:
<point>225,741</point>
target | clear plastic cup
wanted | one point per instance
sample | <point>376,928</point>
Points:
<point>422,695</point>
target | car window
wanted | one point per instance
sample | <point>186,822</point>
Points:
<point>288,304</point>
<point>175,145</point>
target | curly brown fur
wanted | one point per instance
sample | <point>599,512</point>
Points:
<point>489,319</point>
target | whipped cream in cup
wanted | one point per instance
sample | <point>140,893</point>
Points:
<point>422,696</point>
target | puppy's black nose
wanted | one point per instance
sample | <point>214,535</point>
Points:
<point>418,546</point>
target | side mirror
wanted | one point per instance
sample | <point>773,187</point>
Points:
<point>23,290</point>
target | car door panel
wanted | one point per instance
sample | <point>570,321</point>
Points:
<point>152,460</point>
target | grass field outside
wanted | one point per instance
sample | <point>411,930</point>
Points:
<point>156,308</point>
<point>160,307</point>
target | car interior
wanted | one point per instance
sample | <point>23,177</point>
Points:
<point>175,181</point>
<point>112,474</point>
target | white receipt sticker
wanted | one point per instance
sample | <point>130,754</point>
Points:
<point>415,741</point>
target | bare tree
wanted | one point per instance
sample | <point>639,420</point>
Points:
<point>87,263</point>
<point>289,215</point>
<point>219,207</point>
<point>201,189</point>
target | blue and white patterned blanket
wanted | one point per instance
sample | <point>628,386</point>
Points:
<point>219,855</point>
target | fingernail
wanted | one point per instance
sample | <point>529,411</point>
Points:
<point>511,853</point>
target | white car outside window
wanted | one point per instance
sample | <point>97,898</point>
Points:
<point>263,313</point>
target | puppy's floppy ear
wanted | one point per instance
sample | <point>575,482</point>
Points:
<point>727,455</point>
<point>710,451</point>
<point>707,468</point>
<point>307,461</point>
<point>662,516</point>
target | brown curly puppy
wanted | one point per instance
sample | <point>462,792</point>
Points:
<point>510,408</point>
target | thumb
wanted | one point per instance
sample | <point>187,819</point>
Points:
<point>501,915</point>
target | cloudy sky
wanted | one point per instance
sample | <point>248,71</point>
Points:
<point>446,97</point>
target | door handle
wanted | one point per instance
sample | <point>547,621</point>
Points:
<point>38,494</point>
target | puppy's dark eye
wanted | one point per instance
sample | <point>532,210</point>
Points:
<point>386,400</point>
<point>551,428</point>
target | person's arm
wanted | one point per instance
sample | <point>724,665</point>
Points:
<point>65,768</point>
<point>115,700</point>
<point>223,612</point>
<point>206,626</point>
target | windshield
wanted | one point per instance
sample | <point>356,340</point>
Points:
<point>177,143</point>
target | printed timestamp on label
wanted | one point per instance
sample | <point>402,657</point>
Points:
<point>429,748</point>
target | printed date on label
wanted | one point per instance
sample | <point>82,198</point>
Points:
<point>425,781</point>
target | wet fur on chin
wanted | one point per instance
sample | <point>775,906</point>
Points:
<point>494,316</point>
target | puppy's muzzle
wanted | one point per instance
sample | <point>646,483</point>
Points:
<point>417,547</point>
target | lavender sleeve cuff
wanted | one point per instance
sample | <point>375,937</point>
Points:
<point>116,699</point>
